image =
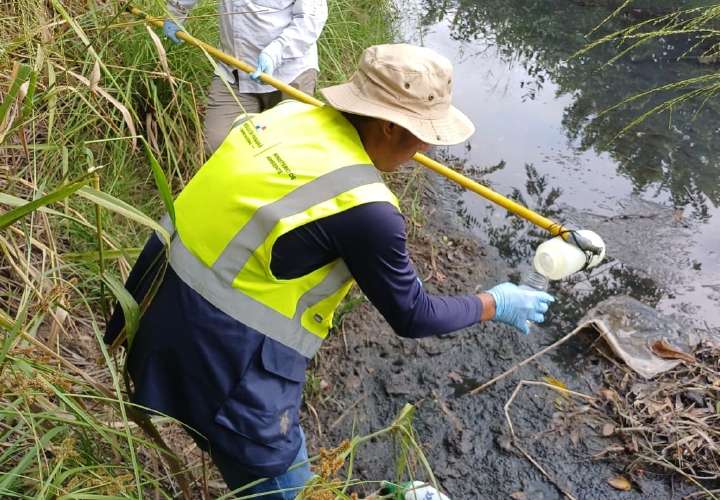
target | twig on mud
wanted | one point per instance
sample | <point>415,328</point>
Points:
<point>664,463</point>
<point>514,368</point>
<point>544,473</point>
<point>515,443</point>
<point>543,384</point>
<point>454,420</point>
<point>700,493</point>
<point>344,337</point>
<point>317,417</point>
<point>345,413</point>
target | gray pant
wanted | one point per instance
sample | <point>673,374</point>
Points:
<point>223,109</point>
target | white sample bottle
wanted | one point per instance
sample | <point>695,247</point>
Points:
<point>422,491</point>
<point>534,281</point>
<point>557,259</point>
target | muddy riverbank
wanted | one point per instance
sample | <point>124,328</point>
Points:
<point>543,139</point>
<point>372,373</point>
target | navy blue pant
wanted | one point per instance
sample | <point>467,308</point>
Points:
<point>286,486</point>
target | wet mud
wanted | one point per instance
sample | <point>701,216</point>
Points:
<point>372,373</point>
<point>544,139</point>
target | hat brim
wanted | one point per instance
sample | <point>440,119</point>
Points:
<point>453,128</point>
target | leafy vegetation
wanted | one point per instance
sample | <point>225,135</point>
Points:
<point>100,122</point>
<point>612,87</point>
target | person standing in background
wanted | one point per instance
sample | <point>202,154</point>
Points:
<point>278,36</point>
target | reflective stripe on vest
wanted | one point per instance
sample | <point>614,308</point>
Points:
<point>233,271</point>
<point>256,315</point>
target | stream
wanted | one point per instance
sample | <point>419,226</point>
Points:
<point>544,138</point>
<point>652,193</point>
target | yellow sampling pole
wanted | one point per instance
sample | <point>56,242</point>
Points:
<point>553,228</point>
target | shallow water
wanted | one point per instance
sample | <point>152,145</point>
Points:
<point>653,193</point>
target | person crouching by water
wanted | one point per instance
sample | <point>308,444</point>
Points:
<point>269,236</point>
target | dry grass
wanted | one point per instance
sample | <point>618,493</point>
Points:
<point>672,421</point>
<point>96,121</point>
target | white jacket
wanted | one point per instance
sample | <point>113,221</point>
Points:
<point>287,30</point>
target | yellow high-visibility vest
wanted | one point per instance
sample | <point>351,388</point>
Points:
<point>275,171</point>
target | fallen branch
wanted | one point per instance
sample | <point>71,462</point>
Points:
<point>524,362</point>
<point>515,438</point>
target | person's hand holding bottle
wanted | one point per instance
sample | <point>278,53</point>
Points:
<point>517,306</point>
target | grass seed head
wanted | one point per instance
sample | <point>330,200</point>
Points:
<point>332,460</point>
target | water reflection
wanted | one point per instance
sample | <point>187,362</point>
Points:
<point>543,128</point>
<point>517,240</point>
<point>675,152</point>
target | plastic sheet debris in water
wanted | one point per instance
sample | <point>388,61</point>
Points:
<point>650,343</point>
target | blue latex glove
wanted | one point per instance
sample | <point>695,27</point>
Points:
<point>516,306</point>
<point>170,29</point>
<point>264,65</point>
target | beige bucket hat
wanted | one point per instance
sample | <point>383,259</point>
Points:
<point>407,85</point>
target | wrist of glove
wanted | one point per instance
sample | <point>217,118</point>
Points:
<point>170,30</point>
<point>265,65</point>
<point>516,306</point>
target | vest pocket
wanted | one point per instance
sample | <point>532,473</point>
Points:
<point>264,405</point>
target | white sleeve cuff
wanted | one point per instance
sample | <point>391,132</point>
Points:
<point>274,52</point>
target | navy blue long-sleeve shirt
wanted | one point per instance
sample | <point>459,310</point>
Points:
<point>371,239</point>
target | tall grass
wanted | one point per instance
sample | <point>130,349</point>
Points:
<point>698,27</point>
<point>100,122</point>
<point>353,25</point>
